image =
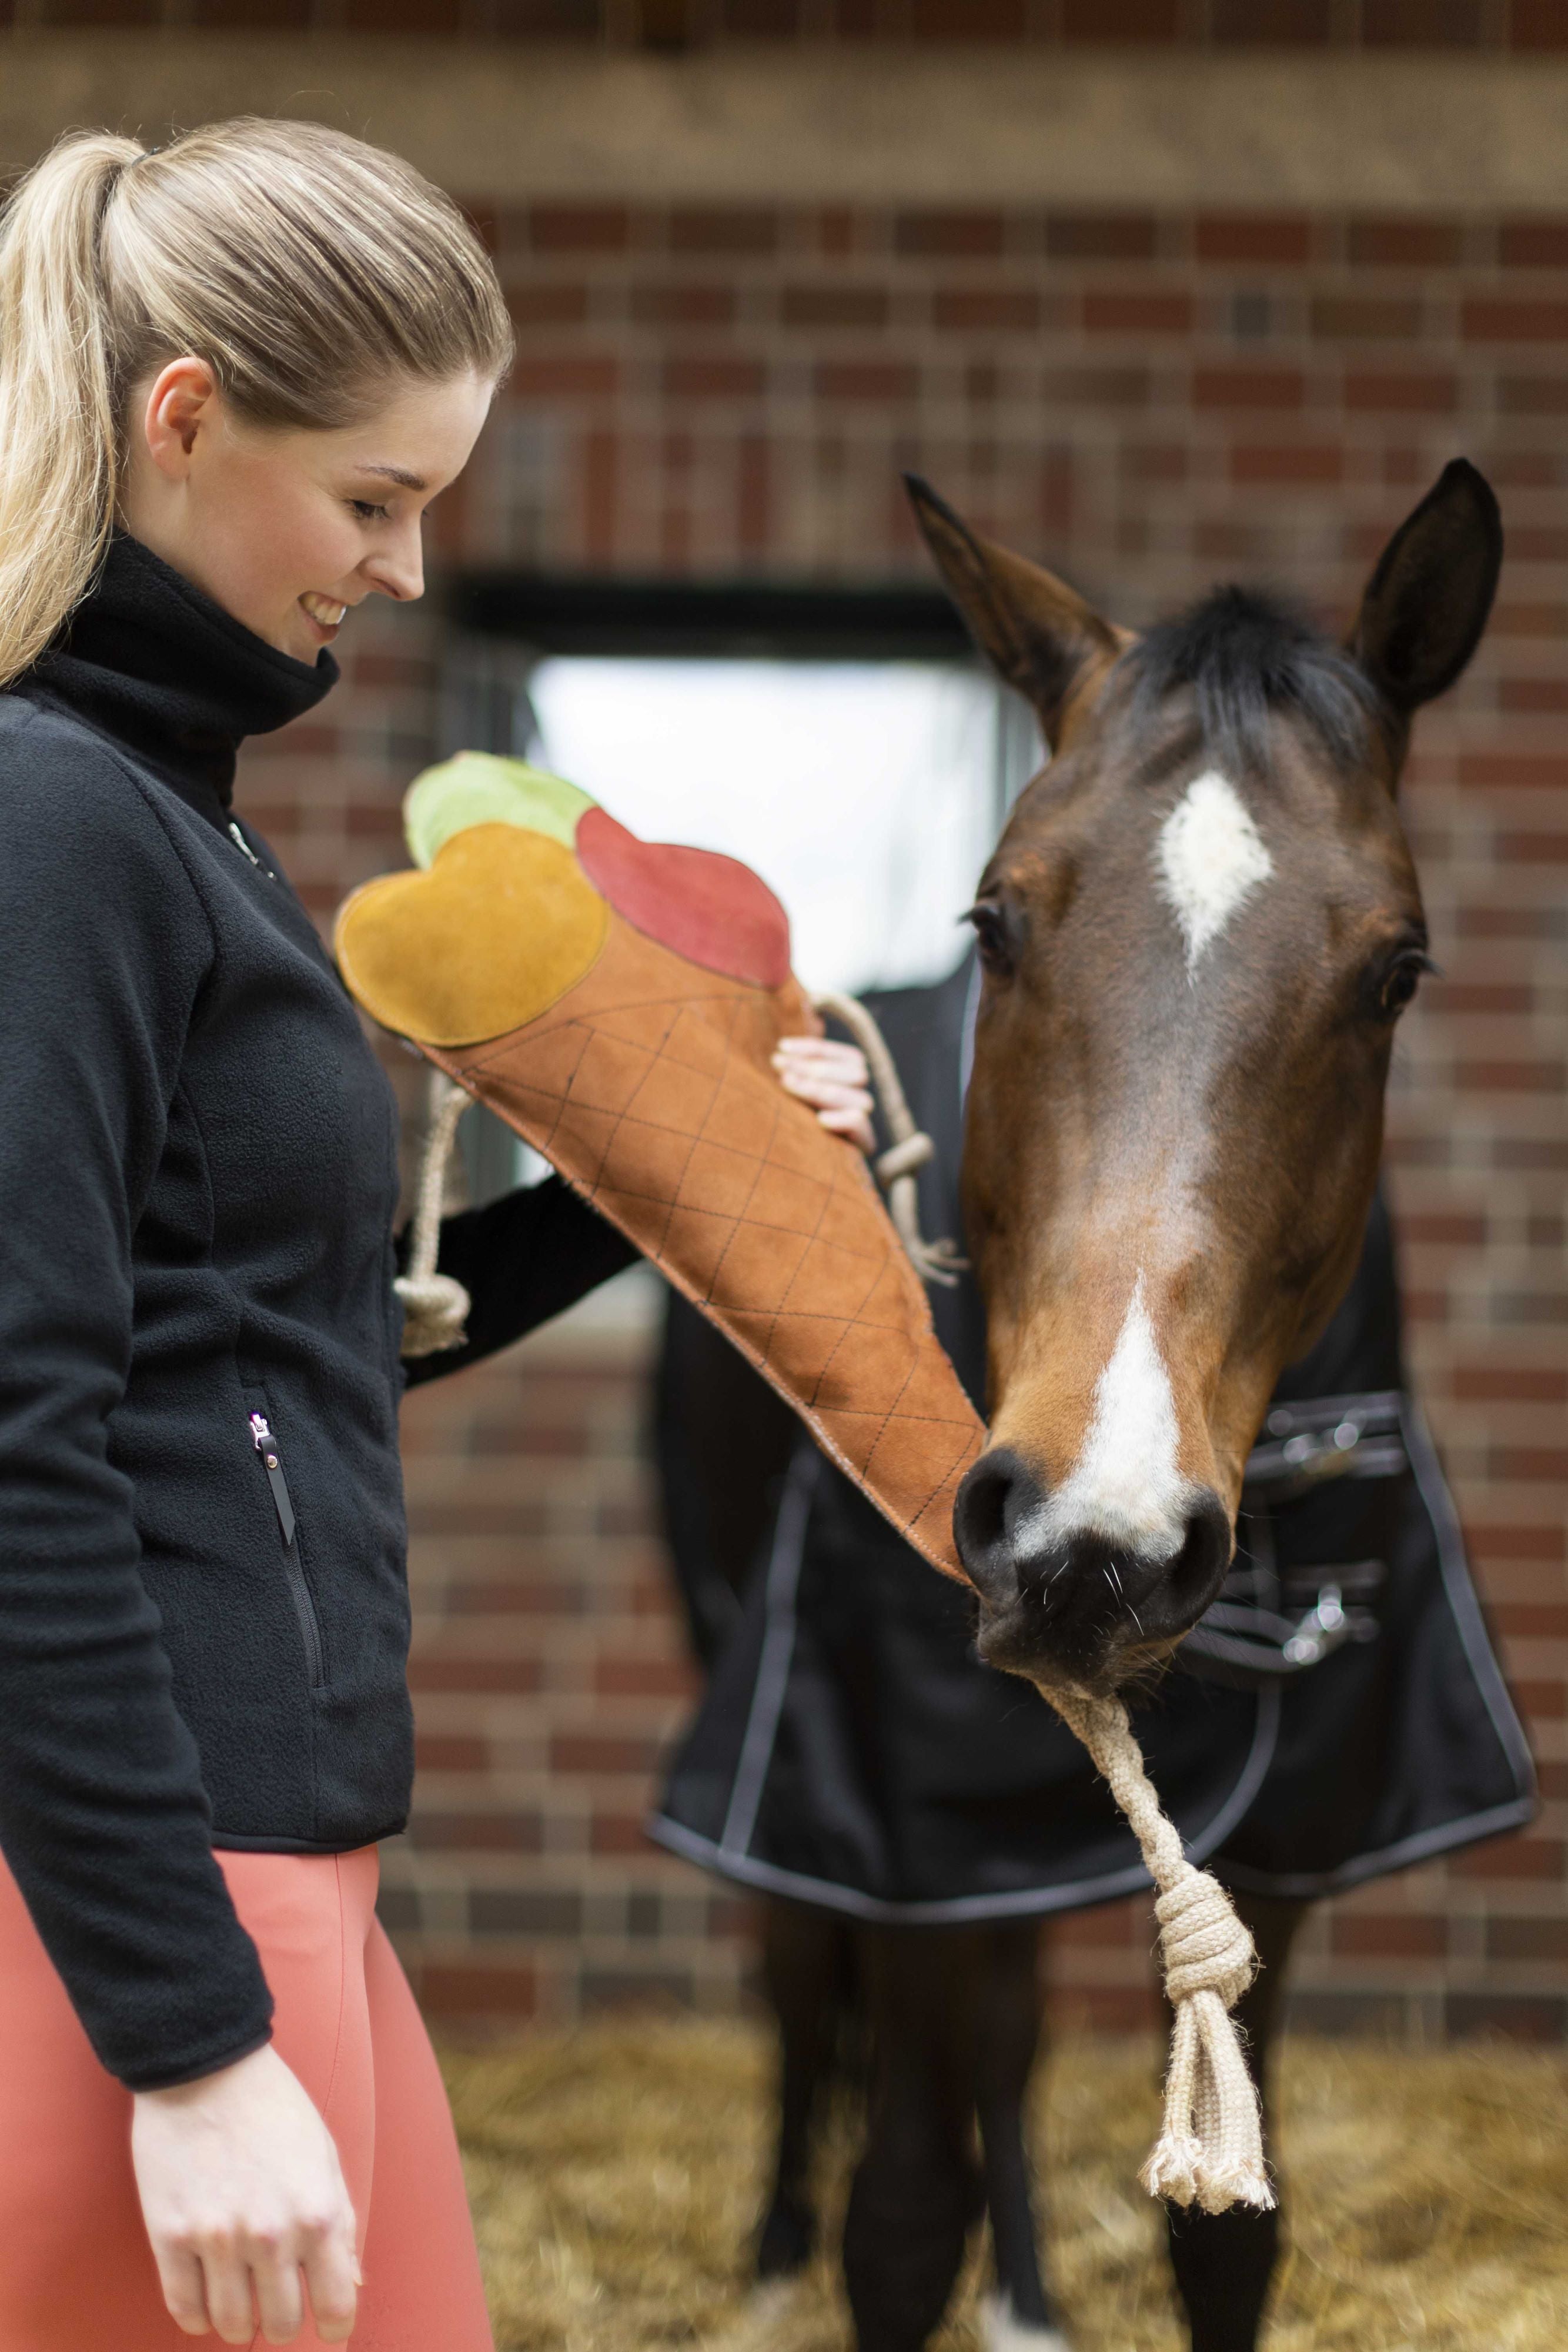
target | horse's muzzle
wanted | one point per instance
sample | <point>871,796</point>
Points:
<point>1082,1609</point>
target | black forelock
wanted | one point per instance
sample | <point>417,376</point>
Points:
<point>1246,654</point>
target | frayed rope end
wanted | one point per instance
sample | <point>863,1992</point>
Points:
<point>1179,2171</point>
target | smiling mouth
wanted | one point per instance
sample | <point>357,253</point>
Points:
<point>325,611</point>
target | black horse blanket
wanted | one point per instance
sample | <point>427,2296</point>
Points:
<point>1338,1713</point>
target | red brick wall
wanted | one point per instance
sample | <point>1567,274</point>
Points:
<point>1523,25</point>
<point>1150,404</point>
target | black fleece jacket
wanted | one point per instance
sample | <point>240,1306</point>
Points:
<point>198,1176</point>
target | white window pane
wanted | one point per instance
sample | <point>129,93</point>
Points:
<point>865,794</point>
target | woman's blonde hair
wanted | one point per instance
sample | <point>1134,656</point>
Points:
<point>304,267</point>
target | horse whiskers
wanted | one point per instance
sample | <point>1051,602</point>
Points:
<point>1111,1569</point>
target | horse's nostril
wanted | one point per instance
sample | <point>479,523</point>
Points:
<point>981,1509</point>
<point>1189,1584</point>
<point>998,1492</point>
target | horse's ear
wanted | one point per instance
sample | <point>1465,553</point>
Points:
<point>1033,629</point>
<point>1428,599</point>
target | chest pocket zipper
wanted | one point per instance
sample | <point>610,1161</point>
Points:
<point>267,1448</point>
<point>243,846</point>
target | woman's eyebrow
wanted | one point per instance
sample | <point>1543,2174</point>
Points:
<point>398,474</point>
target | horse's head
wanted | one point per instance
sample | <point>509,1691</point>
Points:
<point>1197,933</point>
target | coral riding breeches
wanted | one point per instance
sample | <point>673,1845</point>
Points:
<point>77,2274</point>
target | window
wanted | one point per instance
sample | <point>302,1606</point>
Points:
<point>846,744</point>
<point>863,793</point>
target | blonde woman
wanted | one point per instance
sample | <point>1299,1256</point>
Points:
<point>233,375</point>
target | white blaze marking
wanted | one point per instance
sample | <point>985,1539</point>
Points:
<point>1211,858</point>
<point>1124,1485</point>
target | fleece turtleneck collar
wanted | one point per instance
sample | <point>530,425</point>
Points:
<point>151,660</point>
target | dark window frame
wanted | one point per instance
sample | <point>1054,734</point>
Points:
<point>574,613</point>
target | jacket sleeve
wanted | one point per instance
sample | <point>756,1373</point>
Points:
<point>523,1258</point>
<point>103,1818</point>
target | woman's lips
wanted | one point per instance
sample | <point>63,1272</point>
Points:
<point>325,614</point>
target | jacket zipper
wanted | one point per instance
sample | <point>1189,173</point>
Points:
<point>243,846</point>
<point>265,1445</point>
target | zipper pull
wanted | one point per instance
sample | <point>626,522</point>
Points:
<point>243,846</point>
<point>266,1446</point>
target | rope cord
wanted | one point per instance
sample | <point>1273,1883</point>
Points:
<point>1211,2148</point>
<point>436,1307</point>
<point>897,1167</point>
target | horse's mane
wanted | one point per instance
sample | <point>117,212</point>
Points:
<point>1245,654</point>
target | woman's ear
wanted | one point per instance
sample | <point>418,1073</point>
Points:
<point>179,404</point>
<point>1035,631</point>
<point>1429,597</point>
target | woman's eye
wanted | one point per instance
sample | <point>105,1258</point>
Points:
<point>367,511</point>
<point>1400,983</point>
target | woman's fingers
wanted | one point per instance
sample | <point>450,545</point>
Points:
<point>185,2289</point>
<point>333,2278</point>
<point>832,1101</point>
<point>826,1094</point>
<point>227,2274</point>
<point>826,1055</point>
<point>847,1118</point>
<point>833,1079</point>
<point>278,2295</point>
<point>843,1110</point>
<point>317,2258</point>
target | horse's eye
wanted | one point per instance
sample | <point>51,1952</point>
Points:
<point>1400,983</point>
<point>990,936</point>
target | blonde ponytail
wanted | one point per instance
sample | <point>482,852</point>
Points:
<point>308,270</point>
<point>57,421</point>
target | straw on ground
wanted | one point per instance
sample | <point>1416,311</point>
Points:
<point>616,2174</point>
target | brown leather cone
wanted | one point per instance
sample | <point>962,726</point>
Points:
<point>649,1086</point>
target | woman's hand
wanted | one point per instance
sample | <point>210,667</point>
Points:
<point>834,1080</point>
<point>241,2189</point>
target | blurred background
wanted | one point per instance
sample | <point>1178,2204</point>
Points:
<point>1161,292</point>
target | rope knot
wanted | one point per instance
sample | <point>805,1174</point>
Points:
<point>1203,1944</point>
<point>436,1310</point>
<point>903,1159</point>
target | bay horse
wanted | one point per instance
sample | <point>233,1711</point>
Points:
<point>1197,934</point>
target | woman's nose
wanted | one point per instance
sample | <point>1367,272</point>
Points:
<point>398,569</point>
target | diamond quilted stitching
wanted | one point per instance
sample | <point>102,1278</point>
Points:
<point>647,1161</point>
<point>792,1202</point>
<point>651,1088</point>
<point>609,1073</point>
<point>697,1242</point>
<point>717,1176</point>
<point>758,1269</point>
<point>551,1058</point>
